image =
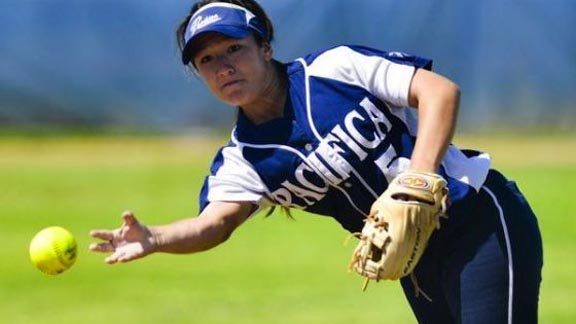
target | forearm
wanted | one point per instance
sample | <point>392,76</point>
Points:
<point>437,104</point>
<point>213,227</point>
<point>187,236</point>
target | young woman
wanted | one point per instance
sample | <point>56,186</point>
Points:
<point>326,133</point>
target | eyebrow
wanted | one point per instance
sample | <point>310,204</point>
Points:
<point>224,39</point>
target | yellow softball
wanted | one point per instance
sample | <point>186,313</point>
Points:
<point>53,250</point>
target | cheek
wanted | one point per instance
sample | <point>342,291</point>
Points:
<point>250,62</point>
<point>208,79</point>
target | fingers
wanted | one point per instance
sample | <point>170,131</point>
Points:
<point>121,254</point>
<point>116,242</point>
<point>106,235</point>
<point>108,247</point>
<point>125,253</point>
<point>129,218</point>
<point>102,247</point>
<point>118,257</point>
<point>114,257</point>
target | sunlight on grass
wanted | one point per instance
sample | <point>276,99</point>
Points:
<point>273,270</point>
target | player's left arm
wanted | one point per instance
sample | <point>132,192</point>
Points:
<point>437,99</point>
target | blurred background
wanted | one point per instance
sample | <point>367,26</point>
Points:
<point>97,115</point>
<point>113,65</point>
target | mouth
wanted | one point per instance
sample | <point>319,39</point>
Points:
<point>230,84</point>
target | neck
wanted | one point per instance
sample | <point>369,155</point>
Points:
<point>273,98</point>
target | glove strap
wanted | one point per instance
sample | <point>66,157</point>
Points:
<point>417,288</point>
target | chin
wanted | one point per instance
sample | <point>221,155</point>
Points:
<point>236,100</point>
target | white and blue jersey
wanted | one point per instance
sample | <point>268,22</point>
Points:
<point>345,133</point>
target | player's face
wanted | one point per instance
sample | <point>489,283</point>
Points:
<point>235,70</point>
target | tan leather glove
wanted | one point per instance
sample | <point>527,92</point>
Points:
<point>400,223</point>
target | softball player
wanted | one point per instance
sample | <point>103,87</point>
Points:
<point>326,133</point>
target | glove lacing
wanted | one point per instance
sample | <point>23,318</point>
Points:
<point>443,213</point>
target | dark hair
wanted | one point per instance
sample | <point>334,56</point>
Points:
<point>251,5</point>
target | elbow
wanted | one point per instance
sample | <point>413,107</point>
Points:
<point>218,221</point>
<point>226,234</point>
<point>450,98</point>
<point>456,92</point>
<point>429,88</point>
<point>227,227</point>
<point>452,91</point>
<point>456,96</point>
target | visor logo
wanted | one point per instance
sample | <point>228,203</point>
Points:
<point>201,22</point>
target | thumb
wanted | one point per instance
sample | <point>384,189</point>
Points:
<point>129,218</point>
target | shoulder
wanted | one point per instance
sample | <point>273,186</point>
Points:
<point>229,156</point>
<point>218,159</point>
<point>343,55</point>
<point>343,49</point>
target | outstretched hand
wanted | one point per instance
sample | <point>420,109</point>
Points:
<point>129,242</point>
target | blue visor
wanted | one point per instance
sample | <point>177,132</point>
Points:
<point>225,18</point>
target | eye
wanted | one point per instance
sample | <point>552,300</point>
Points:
<point>205,59</point>
<point>234,48</point>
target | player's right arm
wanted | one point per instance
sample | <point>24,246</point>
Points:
<point>134,240</point>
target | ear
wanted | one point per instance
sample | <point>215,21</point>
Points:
<point>268,51</point>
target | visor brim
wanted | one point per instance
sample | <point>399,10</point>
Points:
<point>191,47</point>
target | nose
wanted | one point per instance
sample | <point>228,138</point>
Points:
<point>224,66</point>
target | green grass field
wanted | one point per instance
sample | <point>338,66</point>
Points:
<point>272,270</point>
